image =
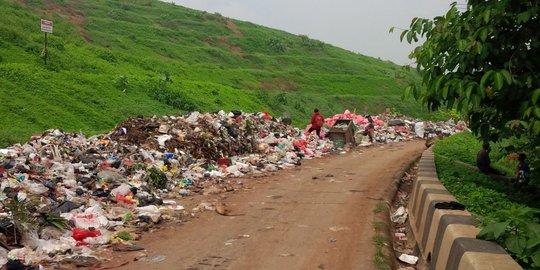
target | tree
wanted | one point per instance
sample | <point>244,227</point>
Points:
<point>484,60</point>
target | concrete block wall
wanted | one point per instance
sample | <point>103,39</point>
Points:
<point>447,238</point>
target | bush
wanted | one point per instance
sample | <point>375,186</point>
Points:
<point>277,45</point>
<point>121,83</point>
<point>160,91</point>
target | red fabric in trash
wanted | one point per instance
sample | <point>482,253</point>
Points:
<point>266,116</point>
<point>122,199</point>
<point>224,161</point>
<point>81,234</point>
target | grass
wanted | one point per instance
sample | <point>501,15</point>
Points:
<point>380,259</point>
<point>379,208</point>
<point>480,193</point>
<point>107,57</point>
<point>489,200</point>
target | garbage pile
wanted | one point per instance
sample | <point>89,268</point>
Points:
<point>63,195</point>
<point>392,128</point>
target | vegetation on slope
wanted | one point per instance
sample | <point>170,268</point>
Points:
<point>507,214</point>
<point>109,60</point>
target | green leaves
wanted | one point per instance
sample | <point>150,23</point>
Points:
<point>498,80</point>
<point>403,35</point>
<point>485,78</point>
<point>483,34</point>
<point>493,231</point>
<point>57,221</point>
<point>535,95</point>
<point>156,178</point>
<point>489,48</point>
<point>524,16</point>
<point>516,244</point>
<point>536,259</point>
<point>519,233</point>
<point>486,15</point>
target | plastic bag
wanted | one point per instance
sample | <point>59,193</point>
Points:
<point>419,129</point>
<point>123,189</point>
<point>400,216</point>
<point>86,221</point>
<point>34,188</point>
<point>102,239</point>
<point>56,246</point>
<point>151,211</point>
<point>3,256</point>
<point>81,234</point>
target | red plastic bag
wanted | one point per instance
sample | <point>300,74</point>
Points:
<point>81,234</point>
<point>125,199</point>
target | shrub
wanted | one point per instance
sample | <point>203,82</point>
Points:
<point>160,91</point>
<point>122,83</point>
<point>277,45</point>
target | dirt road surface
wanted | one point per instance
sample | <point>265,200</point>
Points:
<point>316,216</point>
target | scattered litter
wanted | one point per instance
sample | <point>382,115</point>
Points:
<point>452,205</point>
<point>400,216</point>
<point>222,209</point>
<point>339,228</point>
<point>151,259</point>
<point>400,236</point>
<point>286,255</point>
<point>410,259</point>
<point>126,247</point>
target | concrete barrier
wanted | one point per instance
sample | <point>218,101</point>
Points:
<point>447,238</point>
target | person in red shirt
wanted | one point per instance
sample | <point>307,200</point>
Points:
<point>370,128</point>
<point>317,121</point>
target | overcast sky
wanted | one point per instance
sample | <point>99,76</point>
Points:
<point>357,25</point>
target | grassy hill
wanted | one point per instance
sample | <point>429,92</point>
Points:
<point>110,60</point>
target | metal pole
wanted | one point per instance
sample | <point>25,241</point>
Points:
<point>46,49</point>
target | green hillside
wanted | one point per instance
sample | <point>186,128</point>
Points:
<point>110,60</point>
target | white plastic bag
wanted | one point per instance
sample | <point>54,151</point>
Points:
<point>419,129</point>
<point>151,211</point>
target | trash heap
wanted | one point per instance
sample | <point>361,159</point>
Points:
<point>394,128</point>
<point>64,195</point>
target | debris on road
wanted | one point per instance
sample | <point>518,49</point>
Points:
<point>400,216</point>
<point>101,192</point>
<point>387,128</point>
<point>408,259</point>
<point>65,195</point>
<point>151,259</point>
<point>404,243</point>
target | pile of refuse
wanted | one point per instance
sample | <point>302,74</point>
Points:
<point>393,128</point>
<point>63,195</point>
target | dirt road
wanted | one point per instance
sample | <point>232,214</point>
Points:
<point>315,216</point>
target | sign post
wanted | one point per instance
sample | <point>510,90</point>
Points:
<point>46,27</point>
